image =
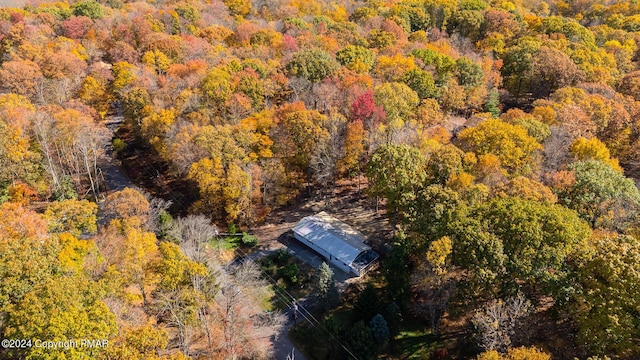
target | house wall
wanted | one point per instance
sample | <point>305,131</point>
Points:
<point>337,263</point>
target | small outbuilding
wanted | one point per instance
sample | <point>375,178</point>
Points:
<point>342,245</point>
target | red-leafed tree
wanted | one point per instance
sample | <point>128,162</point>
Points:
<point>289,43</point>
<point>76,27</point>
<point>364,109</point>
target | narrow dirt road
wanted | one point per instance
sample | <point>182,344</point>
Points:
<point>114,178</point>
<point>282,345</point>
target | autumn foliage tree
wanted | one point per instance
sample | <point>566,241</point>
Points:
<point>296,133</point>
<point>601,195</point>
<point>313,65</point>
<point>239,105</point>
<point>510,143</point>
<point>44,294</point>
<point>396,172</point>
<point>607,301</point>
<point>73,216</point>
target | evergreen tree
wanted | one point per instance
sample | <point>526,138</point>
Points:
<point>379,330</point>
<point>396,271</point>
<point>326,287</point>
<point>393,315</point>
<point>492,105</point>
<point>359,341</point>
<point>367,305</point>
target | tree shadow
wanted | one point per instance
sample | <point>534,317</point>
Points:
<point>417,345</point>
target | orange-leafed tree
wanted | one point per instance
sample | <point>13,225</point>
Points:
<point>354,149</point>
<point>22,77</point>
<point>27,251</point>
<point>295,133</point>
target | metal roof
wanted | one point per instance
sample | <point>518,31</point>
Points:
<point>332,235</point>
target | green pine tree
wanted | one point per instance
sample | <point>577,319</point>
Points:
<point>367,305</point>
<point>326,290</point>
<point>379,331</point>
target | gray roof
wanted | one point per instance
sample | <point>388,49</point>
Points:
<point>337,238</point>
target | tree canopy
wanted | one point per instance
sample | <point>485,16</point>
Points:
<point>499,138</point>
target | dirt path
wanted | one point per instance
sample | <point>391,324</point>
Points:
<point>113,177</point>
<point>282,345</point>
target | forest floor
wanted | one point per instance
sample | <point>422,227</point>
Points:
<point>146,169</point>
<point>345,203</point>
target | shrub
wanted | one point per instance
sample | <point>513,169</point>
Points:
<point>118,145</point>
<point>249,240</point>
<point>290,273</point>
<point>281,256</point>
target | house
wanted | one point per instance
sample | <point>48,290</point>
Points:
<point>339,243</point>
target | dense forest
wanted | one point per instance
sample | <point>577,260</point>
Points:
<point>499,138</point>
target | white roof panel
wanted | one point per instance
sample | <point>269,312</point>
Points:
<point>332,235</point>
